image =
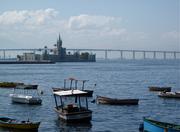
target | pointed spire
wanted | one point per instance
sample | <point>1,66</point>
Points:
<point>60,41</point>
<point>59,37</point>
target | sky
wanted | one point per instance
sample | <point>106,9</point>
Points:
<point>102,24</point>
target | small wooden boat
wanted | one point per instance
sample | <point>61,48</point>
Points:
<point>30,95</point>
<point>75,111</point>
<point>111,101</point>
<point>157,126</point>
<point>7,122</point>
<point>74,85</point>
<point>155,88</point>
<point>9,84</point>
<point>169,94</point>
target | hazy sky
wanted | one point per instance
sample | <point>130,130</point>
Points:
<point>115,24</point>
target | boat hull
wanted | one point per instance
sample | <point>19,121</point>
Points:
<point>14,124</point>
<point>156,126</point>
<point>110,101</point>
<point>160,89</point>
<point>82,116</point>
<point>169,95</point>
<point>25,99</point>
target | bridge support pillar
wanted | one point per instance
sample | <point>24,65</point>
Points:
<point>144,54</point>
<point>154,55</point>
<point>164,55</point>
<point>4,54</point>
<point>174,55</point>
<point>134,55</point>
<point>106,55</point>
<point>121,54</point>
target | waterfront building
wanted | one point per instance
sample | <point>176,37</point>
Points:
<point>60,55</point>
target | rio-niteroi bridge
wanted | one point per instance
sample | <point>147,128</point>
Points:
<point>145,54</point>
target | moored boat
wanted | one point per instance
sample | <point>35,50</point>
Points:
<point>74,111</point>
<point>30,95</point>
<point>155,88</point>
<point>169,95</point>
<point>151,125</point>
<point>9,84</point>
<point>6,122</point>
<point>113,101</point>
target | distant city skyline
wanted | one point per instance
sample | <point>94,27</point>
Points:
<point>113,24</point>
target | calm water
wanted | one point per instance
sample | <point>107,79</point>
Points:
<point>125,79</point>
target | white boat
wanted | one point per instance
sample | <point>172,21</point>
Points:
<point>26,95</point>
<point>169,94</point>
<point>74,111</point>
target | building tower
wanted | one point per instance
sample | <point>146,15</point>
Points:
<point>59,46</point>
<point>61,52</point>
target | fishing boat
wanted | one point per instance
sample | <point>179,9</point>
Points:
<point>155,88</point>
<point>69,106</point>
<point>113,101</point>
<point>169,95</point>
<point>26,94</point>
<point>74,84</point>
<point>6,122</point>
<point>151,125</point>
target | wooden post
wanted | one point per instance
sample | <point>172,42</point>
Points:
<point>55,101</point>
<point>79,102</point>
<point>86,103</point>
<point>76,81</point>
<point>64,83</point>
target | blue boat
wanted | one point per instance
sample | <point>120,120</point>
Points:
<point>157,126</point>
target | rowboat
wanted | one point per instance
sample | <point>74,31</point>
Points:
<point>112,101</point>
<point>73,84</point>
<point>155,88</point>
<point>169,94</point>
<point>73,111</point>
<point>29,96</point>
<point>157,126</point>
<point>6,122</point>
<point>9,84</point>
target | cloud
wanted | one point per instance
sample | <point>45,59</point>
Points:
<point>27,17</point>
<point>171,35</point>
<point>92,22</point>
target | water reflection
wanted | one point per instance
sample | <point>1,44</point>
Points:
<point>77,126</point>
<point>15,130</point>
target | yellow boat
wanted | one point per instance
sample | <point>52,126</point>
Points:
<point>7,122</point>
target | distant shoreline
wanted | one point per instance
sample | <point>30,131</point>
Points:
<point>27,62</point>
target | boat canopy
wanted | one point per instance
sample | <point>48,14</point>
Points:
<point>72,78</point>
<point>70,93</point>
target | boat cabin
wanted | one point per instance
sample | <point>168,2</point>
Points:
<point>72,105</point>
